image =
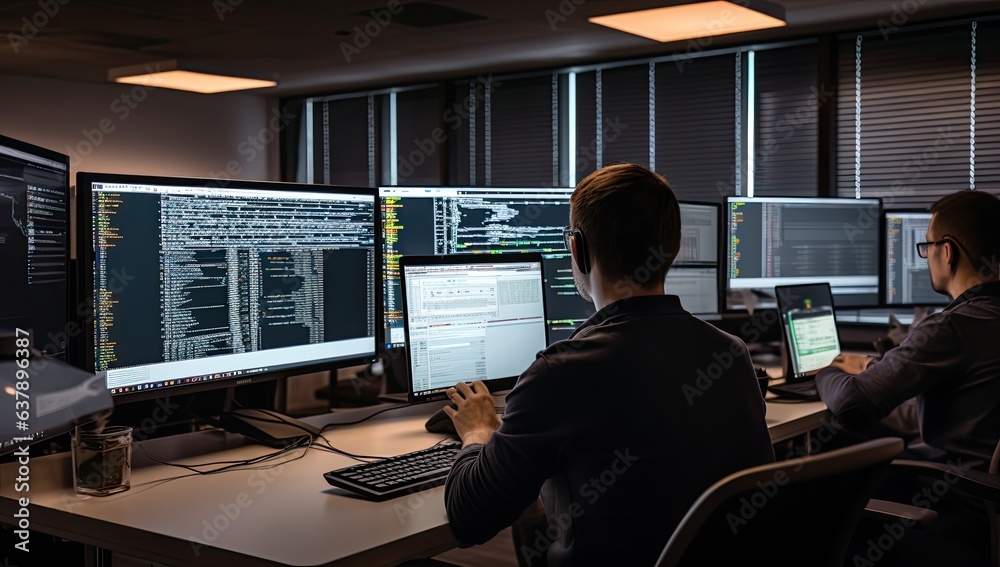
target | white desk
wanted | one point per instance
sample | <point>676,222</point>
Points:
<point>285,515</point>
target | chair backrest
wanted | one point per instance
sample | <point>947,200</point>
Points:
<point>799,511</point>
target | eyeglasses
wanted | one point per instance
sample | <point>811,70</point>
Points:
<point>923,247</point>
<point>567,234</point>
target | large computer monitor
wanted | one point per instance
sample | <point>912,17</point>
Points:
<point>774,241</point>
<point>480,220</point>
<point>200,283</point>
<point>907,280</point>
<point>34,243</point>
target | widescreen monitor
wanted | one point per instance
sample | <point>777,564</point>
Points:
<point>200,283</point>
<point>772,241</point>
<point>907,280</point>
<point>34,243</point>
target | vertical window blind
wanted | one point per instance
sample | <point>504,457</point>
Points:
<point>788,97</point>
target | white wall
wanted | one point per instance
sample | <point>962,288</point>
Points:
<point>145,131</point>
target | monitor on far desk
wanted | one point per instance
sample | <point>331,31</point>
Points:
<point>773,241</point>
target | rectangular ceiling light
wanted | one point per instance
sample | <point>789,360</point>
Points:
<point>692,21</point>
<point>185,77</point>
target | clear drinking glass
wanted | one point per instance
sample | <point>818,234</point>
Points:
<point>102,461</point>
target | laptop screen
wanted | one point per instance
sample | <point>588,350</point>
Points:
<point>809,327</point>
<point>471,317</point>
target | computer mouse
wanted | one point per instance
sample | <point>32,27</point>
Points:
<point>440,422</point>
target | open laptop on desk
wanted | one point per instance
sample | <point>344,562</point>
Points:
<point>471,317</point>
<point>810,338</point>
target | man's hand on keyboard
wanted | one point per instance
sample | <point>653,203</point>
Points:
<point>475,416</point>
<point>851,363</point>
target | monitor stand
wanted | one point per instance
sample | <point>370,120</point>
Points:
<point>265,426</point>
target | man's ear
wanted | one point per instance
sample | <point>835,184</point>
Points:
<point>952,255</point>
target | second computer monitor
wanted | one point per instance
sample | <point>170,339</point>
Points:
<point>480,220</point>
<point>907,276</point>
<point>774,241</point>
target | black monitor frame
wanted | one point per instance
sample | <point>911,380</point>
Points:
<point>85,257</point>
<point>60,352</point>
<point>724,261</point>
<point>495,384</point>
<point>884,268</point>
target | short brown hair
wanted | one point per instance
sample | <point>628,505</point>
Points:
<point>971,218</point>
<point>631,221</point>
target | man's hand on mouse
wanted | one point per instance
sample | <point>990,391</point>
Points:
<point>475,415</point>
<point>851,363</point>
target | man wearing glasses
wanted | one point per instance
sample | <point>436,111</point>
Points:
<point>941,385</point>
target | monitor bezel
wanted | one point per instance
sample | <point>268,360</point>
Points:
<point>884,268</point>
<point>45,153</point>
<point>494,384</point>
<point>725,237</point>
<point>790,376</point>
<point>85,258</point>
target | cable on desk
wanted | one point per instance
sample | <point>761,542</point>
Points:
<point>235,465</point>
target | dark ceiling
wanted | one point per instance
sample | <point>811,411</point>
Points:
<point>313,46</point>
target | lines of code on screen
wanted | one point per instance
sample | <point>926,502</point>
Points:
<point>181,276</point>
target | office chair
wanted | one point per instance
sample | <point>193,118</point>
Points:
<point>797,512</point>
<point>970,482</point>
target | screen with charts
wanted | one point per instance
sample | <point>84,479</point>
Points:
<point>196,283</point>
<point>34,243</point>
<point>810,326</point>
<point>785,241</point>
<point>478,320</point>
<point>907,277</point>
<point>478,220</point>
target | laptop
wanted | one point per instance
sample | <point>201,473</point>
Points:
<point>470,317</point>
<point>810,338</point>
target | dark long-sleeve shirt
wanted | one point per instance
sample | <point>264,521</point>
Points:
<point>619,428</point>
<point>950,363</point>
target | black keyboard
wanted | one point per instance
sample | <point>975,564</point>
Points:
<point>398,475</point>
<point>798,390</point>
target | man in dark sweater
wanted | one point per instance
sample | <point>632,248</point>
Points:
<point>945,376</point>
<point>940,387</point>
<point>622,426</point>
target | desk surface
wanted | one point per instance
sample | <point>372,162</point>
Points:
<point>270,515</point>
